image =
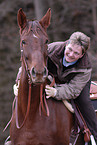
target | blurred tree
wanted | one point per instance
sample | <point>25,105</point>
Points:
<point>38,8</point>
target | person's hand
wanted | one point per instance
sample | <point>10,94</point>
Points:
<point>50,91</point>
<point>15,88</point>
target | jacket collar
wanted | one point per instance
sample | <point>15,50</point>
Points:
<point>57,54</point>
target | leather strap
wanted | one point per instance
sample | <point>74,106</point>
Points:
<point>28,109</point>
<point>43,101</point>
<point>81,124</point>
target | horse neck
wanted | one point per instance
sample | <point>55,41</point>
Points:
<point>24,94</point>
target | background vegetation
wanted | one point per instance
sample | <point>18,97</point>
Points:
<point>67,16</point>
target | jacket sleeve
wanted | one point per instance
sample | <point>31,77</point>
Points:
<point>74,87</point>
<point>55,47</point>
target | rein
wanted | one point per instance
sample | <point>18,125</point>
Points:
<point>29,94</point>
<point>43,105</point>
<point>45,109</point>
<point>28,109</point>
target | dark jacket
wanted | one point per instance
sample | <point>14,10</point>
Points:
<point>72,79</point>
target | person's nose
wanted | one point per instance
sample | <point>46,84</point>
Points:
<point>71,54</point>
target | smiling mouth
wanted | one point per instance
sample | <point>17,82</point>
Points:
<point>70,57</point>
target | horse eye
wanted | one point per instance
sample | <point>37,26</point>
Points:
<point>23,42</point>
<point>46,41</point>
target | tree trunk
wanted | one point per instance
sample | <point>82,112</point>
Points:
<point>39,7</point>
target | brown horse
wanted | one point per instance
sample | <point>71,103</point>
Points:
<point>33,123</point>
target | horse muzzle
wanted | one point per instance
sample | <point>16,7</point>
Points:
<point>38,76</point>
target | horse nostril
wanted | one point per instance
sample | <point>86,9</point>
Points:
<point>45,73</point>
<point>33,72</point>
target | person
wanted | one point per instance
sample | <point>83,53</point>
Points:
<point>69,63</point>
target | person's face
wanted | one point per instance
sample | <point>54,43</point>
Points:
<point>73,52</point>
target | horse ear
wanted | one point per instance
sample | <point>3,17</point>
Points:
<point>45,21</point>
<point>21,17</point>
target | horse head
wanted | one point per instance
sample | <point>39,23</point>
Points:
<point>33,44</point>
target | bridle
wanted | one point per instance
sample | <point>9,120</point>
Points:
<point>43,104</point>
<point>15,101</point>
<point>26,66</point>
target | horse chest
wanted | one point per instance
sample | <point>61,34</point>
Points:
<point>34,138</point>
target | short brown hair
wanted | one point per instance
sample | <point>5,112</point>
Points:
<point>81,39</point>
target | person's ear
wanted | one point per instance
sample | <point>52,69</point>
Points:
<point>82,55</point>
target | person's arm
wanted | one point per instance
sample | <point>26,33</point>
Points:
<point>73,88</point>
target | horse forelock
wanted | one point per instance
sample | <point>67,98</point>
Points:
<point>36,28</point>
<point>36,24</point>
